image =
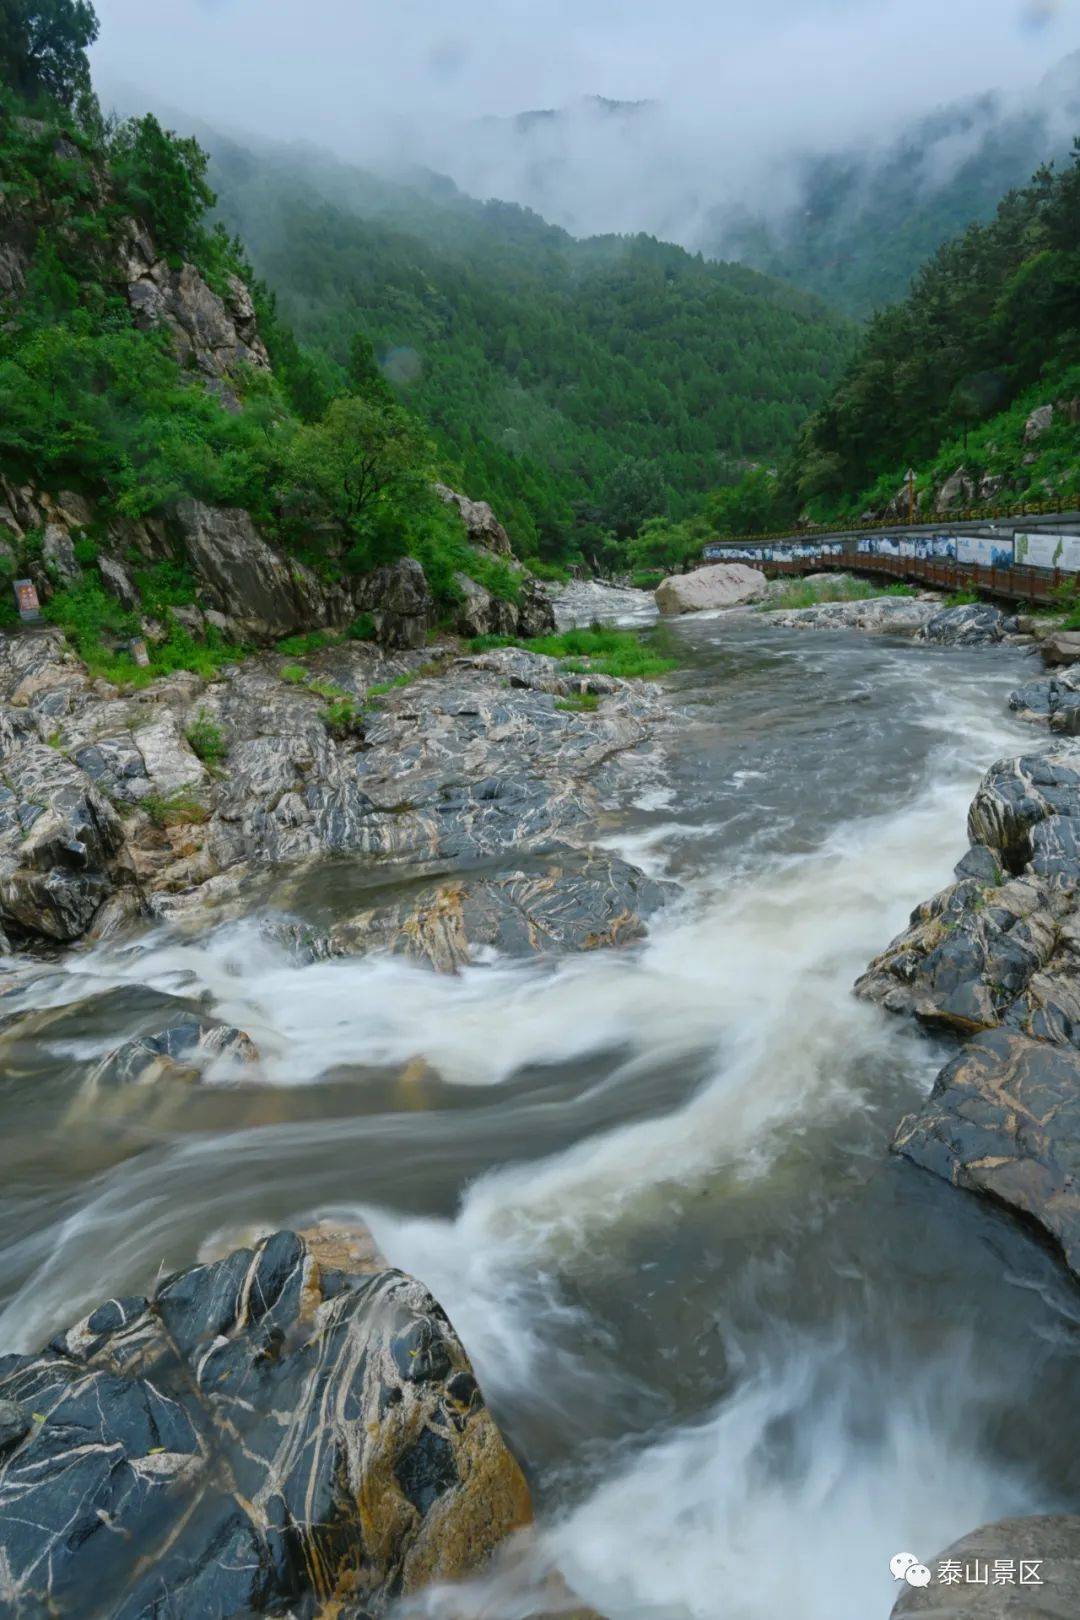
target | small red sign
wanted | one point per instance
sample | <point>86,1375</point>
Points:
<point>26,597</point>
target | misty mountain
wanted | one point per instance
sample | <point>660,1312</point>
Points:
<point>865,221</point>
<point>850,221</point>
<point>542,363</point>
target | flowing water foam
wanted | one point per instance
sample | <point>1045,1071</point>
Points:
<point>748,980</point>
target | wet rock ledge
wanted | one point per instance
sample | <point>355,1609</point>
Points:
<point>264,1435</point>
<point>466,783</point>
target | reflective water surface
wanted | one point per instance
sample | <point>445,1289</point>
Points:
<point>745,1354</point>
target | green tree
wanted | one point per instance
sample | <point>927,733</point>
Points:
<point>162,179</point>
<point>632,492</point>
<point>351,468</point>
<point>43,46</point>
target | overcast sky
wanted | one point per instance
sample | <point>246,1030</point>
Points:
<point>381,78</point>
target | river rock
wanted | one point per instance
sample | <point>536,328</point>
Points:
<point>722,585</point>
<point>875,615</point>
<point>1063,647</point>
<point>1051,1541</point>
<point>1002,945</point>
<point>264,1435</point>
<point>1003,1119</point>
<point>1053,701</point>
<point>183,1050</point>
<point>574,900</point>
<point>976,624</point>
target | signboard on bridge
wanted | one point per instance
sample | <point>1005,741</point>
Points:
<point>985,551</point>
<point>1049,551</point>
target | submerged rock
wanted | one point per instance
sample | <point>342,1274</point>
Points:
<point>180,1051</point>
<point>721,585</point>
<point>1051,1542</point>
<point>574,901</point>
<point>265,1435</point>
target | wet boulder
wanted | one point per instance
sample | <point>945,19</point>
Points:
<point>182,1050</point>
<point>976,624</point>
<point>1003,1120</point>
<point>1017,795</point>
<point>59,843</point>
<point>721,585</point>
<point>1032,1570</point>
<point>574,900</point>
<point>265,1435</point>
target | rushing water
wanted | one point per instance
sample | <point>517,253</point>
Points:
<point>746,1354</point>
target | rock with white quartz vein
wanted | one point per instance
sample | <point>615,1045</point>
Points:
<point>265,1435</point>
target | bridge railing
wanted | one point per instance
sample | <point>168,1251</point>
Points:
<point>1019,583</point>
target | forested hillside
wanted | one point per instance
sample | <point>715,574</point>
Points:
<point>947,381</point>
<point>581,387</point>
<point>867,220</point>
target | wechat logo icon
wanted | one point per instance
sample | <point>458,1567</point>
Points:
<point>906,1567</point>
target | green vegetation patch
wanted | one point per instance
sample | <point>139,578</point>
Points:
<point>627,654</point>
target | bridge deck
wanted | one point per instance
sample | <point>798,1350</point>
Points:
<point>1016,584</point>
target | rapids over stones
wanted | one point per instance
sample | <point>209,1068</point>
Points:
<point>662,1218</point>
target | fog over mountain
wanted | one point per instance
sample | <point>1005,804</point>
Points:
<point>728,129</point>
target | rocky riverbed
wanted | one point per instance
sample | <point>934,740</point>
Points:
<point>619,1160</point>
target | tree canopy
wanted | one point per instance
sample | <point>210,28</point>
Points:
<point>43,45</point>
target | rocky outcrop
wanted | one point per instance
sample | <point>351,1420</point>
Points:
<point>997,957</point>
<point>721,585</point>
<point>401,605</point>
<point>957,490</point>
<point>999,947</point>
<point>481,525</point>
<point>1038,423</point>
<point>877,615</point>
<point>212,335</point>
<point>489,759</point>
<point>535,610</point>
<point>481,614</point>
<point>1048,1588</point>
<point>264,1435</point>
<point>265,594</point>
<point>976,624</point>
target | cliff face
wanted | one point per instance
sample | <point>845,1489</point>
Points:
<point>246,588</point>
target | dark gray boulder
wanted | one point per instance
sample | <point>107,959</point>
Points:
<point>265,1435</point>
<point>179,1051</point>
<point>399,601</point>
<point>264,593</point>
<point>975,624</point>
<point>1049,1546</point>
<point>1003,1120</point>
